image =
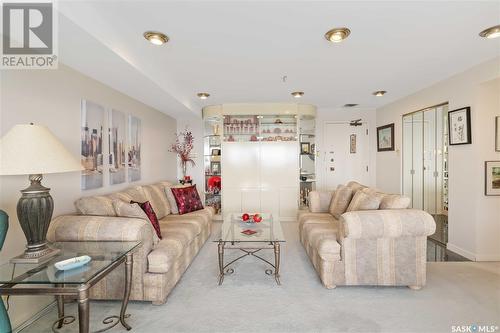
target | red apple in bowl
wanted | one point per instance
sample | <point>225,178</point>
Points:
<point>245,217</point>
<point>257,218</point>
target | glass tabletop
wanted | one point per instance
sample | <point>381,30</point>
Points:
<point>103,255</point>
<point>235,230</point>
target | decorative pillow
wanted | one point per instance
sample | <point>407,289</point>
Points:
<point>171,199</point>
<point>187,199</point>
<point>395,201</point>
<point>124,209</point>
<point>340,200</point>
<point>95,205</point>
<point>355,186</point>
<point>148,209</point>
<point>364,201</point>
<point>319,201</point>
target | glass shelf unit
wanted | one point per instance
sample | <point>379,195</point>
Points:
<point>212,150</point>
<point>252,128</point>
<point>307,158</point>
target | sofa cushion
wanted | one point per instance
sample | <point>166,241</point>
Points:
<point>95,205</point>
<point>364,201</point>
<point>355,186</point>
<point>319,201</point>
<point>187,199</point>
<point>148,209</point>
<point>395,201</point>
<point>134,193</point>
<point>124,209</point>
<point>183,233</point>
<point>340,200</point>
<point>196,221</point>
<point>155,194</point>
<point>163,257</point>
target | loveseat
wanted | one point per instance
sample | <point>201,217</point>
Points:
<point>357,235</point>
<point>158,264</point>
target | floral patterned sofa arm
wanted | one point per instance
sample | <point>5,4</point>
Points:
<point>371,224</point>
<point>319,201</point>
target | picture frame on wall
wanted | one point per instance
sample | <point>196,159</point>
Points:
<point>492,178</point>
<point>91,145</point>
<point>305,148</point>
<point>385,137</point>
<point>459,127</point>
<point>497,133</point>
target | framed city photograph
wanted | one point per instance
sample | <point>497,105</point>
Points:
<point>385,138</point>
<point>352,144</point>
<point>497,133</point>
<point>459,126</point>
<point>492,178</point>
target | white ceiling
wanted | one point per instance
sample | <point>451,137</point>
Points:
<point>239,51</point>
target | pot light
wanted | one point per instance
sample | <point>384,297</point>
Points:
<point>379,93</point>
<point>490,33</point>
<point>156,38</point>
<point>337,35</point>
<point>298,94</point>
<point>203,95</point>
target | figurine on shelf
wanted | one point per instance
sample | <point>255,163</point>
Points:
<point>278,121</point>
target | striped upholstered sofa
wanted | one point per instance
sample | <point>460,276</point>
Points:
<point>158,264</point>
<point>359,236</point>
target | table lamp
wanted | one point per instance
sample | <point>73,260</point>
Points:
<point>33,150</point>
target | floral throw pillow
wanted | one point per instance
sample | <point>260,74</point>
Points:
<point>187,199</point>
<point>148,209</point>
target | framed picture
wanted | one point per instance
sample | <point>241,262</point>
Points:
<point>385,137</point>
<point>497,133</point>
<point>492,178</point>
<point>134,148</point>
<point>91,144</point>
<point>352,144</point>
<point>305,148</point>
<point>459,127</point>
<point>216,152</point>
<point>117,147</point>
<point>215,166</point>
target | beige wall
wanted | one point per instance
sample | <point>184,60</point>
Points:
<point>52,98</point>
<point>473,217</point>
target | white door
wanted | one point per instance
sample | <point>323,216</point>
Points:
<point>341,164</point>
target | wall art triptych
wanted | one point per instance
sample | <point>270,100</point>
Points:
<point>122,158</point>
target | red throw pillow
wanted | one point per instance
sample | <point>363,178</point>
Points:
<point>187,199</point>
<point>148,209</point>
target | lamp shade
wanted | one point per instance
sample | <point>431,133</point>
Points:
<point>33,149</point>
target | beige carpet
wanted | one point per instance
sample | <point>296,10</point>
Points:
<point>457,293</point>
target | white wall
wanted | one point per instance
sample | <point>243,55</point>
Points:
<point>473,220</point>
<point>52,98</point>
<point>325,115</point>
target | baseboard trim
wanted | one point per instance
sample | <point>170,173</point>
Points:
<point>488,257</point>
<point>460,251</point>
<point>35,317</point>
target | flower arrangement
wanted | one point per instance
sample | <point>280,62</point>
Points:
<point>183,146</point>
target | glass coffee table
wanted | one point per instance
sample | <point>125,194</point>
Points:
<point>250,238</point>
<point>45,279</point>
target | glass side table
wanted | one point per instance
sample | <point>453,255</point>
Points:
<point>35,279</point>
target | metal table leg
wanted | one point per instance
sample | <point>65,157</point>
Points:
<point>129,264</point>
<point>277,262</point>
<point>83,308</point>
<point>221,262</point>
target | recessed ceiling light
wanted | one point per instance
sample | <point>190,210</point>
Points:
<point>203,95</point>
<point>298,94</point>
<point>350,105</point>
<point>156,38</point>
<point>379,93</point>
<point>336,35</point>
<point>492,32</point>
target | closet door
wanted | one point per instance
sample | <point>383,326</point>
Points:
<point>241,174</point>
<point>418,161</point>
<point>280,178</point>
